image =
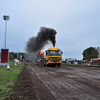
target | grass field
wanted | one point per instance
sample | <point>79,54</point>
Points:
<point>8,78</point>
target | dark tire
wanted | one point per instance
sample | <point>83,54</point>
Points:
<point>59,65</point>
<point>54,65</point>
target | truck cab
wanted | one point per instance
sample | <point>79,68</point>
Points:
<point>53,56</point>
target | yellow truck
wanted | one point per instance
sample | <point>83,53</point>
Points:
<point>53,56</point>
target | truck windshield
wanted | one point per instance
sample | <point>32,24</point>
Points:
<point>54,52</point>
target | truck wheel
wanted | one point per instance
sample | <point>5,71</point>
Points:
<point>58,65</point>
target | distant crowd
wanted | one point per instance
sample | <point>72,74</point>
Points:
<point>94,61</point>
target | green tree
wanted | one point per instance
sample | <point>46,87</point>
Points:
<point>11,55</point>
<point>89,53</point>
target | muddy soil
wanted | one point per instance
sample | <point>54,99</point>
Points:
<point>23,89</point>
<point>57,83</point>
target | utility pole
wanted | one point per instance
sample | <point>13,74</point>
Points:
<point>17,54</point>
<point>6,18</point>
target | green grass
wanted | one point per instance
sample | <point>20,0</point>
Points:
<point>8,78</point>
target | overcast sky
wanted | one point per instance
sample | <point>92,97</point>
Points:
<point>77,23</point>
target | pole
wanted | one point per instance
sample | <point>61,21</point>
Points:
<point>17,54</point>
<point>6,18</point>
<point>5,32</point>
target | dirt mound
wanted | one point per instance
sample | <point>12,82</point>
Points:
<point>23,88</point>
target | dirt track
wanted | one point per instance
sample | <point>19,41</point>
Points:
<point>58,83</point>
<point>66,82</point>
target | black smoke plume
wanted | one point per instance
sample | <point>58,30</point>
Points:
<point>44,36</point>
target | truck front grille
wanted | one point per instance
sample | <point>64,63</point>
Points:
<point>55,58</point>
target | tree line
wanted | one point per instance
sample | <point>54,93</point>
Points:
<point>14,55</point>
<point>88,53</point>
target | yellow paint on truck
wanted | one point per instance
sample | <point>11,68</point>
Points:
<point>53,56</point>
